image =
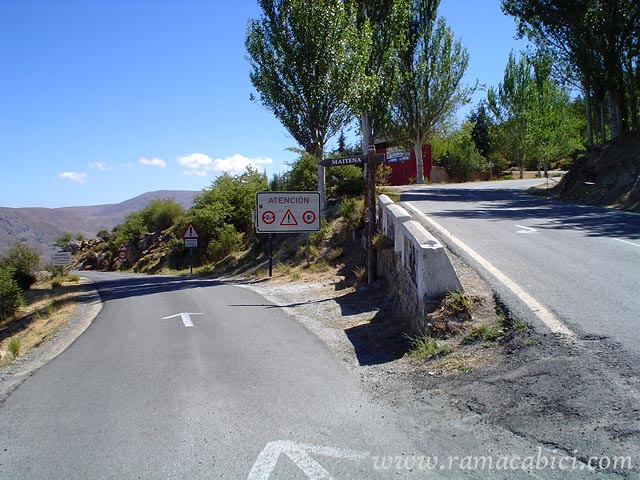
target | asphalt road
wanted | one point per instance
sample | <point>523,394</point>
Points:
<point>582,263</point>
<point>144,396</point>
<point>246,392</point>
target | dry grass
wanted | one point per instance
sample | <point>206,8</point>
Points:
<point>46,310</point>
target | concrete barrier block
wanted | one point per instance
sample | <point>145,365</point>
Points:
<point>395,217</point>
<point>427,263</point>
<point>383,201</point>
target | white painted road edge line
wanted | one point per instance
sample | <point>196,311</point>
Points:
<point>626,241</point>
<point>549,319</point>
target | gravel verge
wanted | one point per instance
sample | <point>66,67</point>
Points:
<point>88,306</point>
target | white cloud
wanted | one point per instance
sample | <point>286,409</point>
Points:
<point>103,167</point>
<point>153,162</point>
<point>201,164</point>
<point>76,177</point>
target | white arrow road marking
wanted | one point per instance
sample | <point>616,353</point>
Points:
<point>299,454</point>
<point>529,230</point>
<point>186,318</point>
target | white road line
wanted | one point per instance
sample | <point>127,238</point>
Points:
<point>186,318</point>
<point>626,241</point>
<point>548,318</point>
<point>529,230</point>
<point>299,453</point>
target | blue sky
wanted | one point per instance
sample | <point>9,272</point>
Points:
<point>101,101</point>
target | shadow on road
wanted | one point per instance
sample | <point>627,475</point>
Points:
<point>122,286</point>
<point>514,204</point>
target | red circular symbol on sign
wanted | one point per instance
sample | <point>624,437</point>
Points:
<point>268,217</point>
<point>123,256</point>
<point>309,217</point>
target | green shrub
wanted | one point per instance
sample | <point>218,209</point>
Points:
<point>352,211</point>
<point>14,347</point>
<point>424,347</point>
<point>316,238</point>
<point>227,241</point>
<point>346,180</point>
<point>24,261</point>
<point>160,214</point>
<point>10,293</point>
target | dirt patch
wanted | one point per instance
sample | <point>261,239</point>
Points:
<point>580,399</point>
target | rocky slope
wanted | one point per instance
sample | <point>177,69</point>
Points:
<point>608,176</point>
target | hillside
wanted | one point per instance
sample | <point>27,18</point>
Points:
<point>608,176</point>
<point>39,227</point>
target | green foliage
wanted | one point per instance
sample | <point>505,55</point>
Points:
<point>352,211</point>
<point>383,174</point>
<point>424,347</point>
<point>227,241</point>
<point>14,346</point>
<point>316,238</point>
<point>483,333</point>
<point>346,180</point>
<point>131,228</point>
<point>63,240</point>
<point>535,118</point>
<point>595,46</point>
<point>462,157</point>
<point>160,214</point>
<point>10,293</point>
<point>432,65</point>
<point>25,262</point>
<point>303,175</point>
<point>308,66</point>
<point>479,119</point>
<point>229,201</point>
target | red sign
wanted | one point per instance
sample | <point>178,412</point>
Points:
<point>122,247</point>
<point>190,232</point>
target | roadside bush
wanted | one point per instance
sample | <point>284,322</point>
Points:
<point>10,293</point>
<point>352,210</point>
<point>161,214</point>
<point>346,180</point>
<point>25,262</point>
<point>227,241</point>
<point>303,175</point>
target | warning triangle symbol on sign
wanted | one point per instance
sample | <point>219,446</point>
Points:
<point>289,219</point>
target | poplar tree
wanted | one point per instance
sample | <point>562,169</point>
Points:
<point>432,64</point>
<point>307,58</point>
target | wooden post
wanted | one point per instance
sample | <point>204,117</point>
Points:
<point>371,220</point>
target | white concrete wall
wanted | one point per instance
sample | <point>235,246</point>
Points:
<point>419,256</point>
<point>383,201</point>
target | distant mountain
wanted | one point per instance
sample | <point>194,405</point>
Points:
<point>39,227</point>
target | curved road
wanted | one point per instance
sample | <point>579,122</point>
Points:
<point>582,263</point>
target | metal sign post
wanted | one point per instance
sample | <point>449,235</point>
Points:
<point>286,212</point>
<point>122,255</point>
<point>190,237</point>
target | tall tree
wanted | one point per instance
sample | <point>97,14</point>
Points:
<point>598,44</point>
<point>480,120</point>
<point>511,104</point>
<point>534,114</point>
<point>306,58</point>
<point>430,90</point>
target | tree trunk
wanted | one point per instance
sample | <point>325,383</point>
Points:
<point>417,151</point>
<point>587,112</point>
<point>615,126</point>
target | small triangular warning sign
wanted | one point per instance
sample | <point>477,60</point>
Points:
<point>289,219</point>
